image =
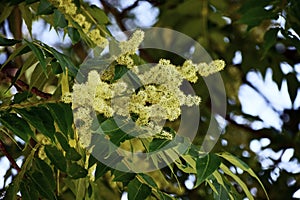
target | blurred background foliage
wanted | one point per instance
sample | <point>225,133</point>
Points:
<point>253,37</point>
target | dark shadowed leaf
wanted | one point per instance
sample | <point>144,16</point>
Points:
<point>47,171</point>
<point>101,169</point>
<point>137,190</point>
<point>17,125</point>
<point>76,171</point>
<point>293,85</point>
<point>28,190</point>
<point>270,39</point>
<point>62,141</point>
<point>40,118</point>
<point>19,97</point>
<point>64,61</point>
<point>63,116</point>
<point>123,176</point>
<point>45,8</point>
<point>59,19</point>
<point>72,154</point>
<point>157,144</point>
<point>74,35</point>
<point>8,42</point>
<point>254,16</point>
<point>43,186</point>
<point>56,157</point>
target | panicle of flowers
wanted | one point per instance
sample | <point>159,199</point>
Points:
<point>189,70</point>
<point>160,97</point>
<point>129,47</point>
<point>83,94</point>
<point>205,69</point>
<point>70,9</point>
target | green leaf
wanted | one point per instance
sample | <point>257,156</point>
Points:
<point>138,190</point>
<point>120,70</point>
<point>20,97</point>
<point>113,130</point>
<point>40,118</point>
<point>17,125</point>
<point>243,185</point>
<point>56,68</point>
<point>64,61</point>
<point>29,62</point>
<point>28,191</point>
<point>254,16</point>
<point>221,186</point>
<point>59,19</point>
<point>270,39</point>
<point>252,4</point>
<point>39,54</point>
<point>164,196</point>
<point>63,116</point>
<point>157,144</point>
<point>92,161</point>
<point>19,51</point>
<point>43,185</point>
<point>222,193</point>
<point>39,77</point>
<point>101,169</point>
<point>74,35</point>
<point>293,85</point>
<point>123,176</point>
<point>45,8</point>
<point>98,14</point>
<point>27,16</point>
<point>14,186</point>
<point>31,1</point>
<point>148,179</point>
<point>11,191</point>
<point>5,11</point>
<point>206,166</point>
<point>56,157</point>
<point>75,171</point>
<point>62,141</point>
<point>8,42</point>
<point>72,154</point>
<point>47,171</point>
<point>243,166</point>
<point>189,166</point>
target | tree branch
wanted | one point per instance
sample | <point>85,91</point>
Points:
<point>25,87</point>
<point>9,157</point>
<point>117,14</point>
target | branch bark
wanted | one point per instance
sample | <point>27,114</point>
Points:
<point>9,157</point>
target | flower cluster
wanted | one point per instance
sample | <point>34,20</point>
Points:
<point>189,70</point>
<point>129,48</point>
<point>158,97</point>
<point>70,9</point>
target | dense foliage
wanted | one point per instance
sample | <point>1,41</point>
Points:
<point>39,116</point>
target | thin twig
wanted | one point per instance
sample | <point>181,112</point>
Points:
<point>9,157</point>
<point>117,14</point>
<point>25,87</point>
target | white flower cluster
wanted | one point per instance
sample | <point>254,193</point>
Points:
<point>160,97</point>
<point>129,48</point>
<point>69,8</point>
